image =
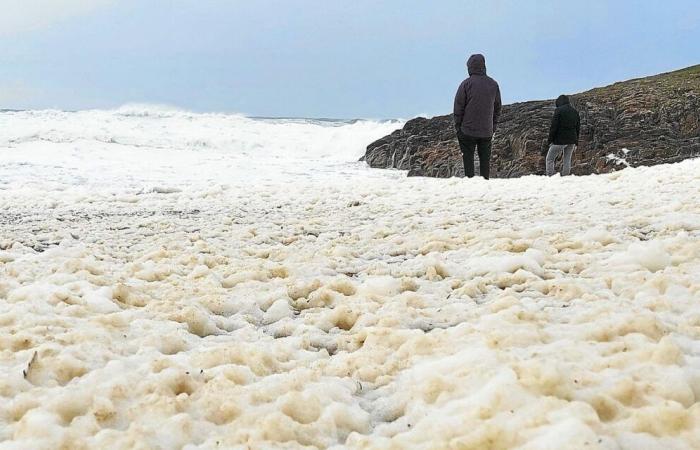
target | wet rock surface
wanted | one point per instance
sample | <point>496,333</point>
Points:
<point>641,122</point>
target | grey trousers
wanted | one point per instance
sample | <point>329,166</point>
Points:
<point>554,152</point>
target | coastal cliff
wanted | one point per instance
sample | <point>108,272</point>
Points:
<point>645,121</point>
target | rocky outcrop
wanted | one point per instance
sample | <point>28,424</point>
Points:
<point>646,121</point>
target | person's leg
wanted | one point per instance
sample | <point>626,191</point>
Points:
<point>484,149</point>
<point>466,145</point>
<point>552,154</point>
<point>566,167</point>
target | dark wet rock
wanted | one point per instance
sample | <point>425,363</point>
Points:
<point>646,121</point>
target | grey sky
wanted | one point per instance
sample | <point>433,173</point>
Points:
<point>328,58</point>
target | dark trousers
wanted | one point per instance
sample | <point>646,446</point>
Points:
<point>483,147</point>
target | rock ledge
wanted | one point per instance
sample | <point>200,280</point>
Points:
<point>645,121</point>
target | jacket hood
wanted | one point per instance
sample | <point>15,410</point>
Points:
<point>476,65</point>
<point>562,100</point>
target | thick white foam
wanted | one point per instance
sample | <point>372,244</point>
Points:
<point>315,305</point>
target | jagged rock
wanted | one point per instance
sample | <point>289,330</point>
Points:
<point>646,121</point>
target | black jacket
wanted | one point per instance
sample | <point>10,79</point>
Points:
<point>566,123</point>
<point>477,102</point>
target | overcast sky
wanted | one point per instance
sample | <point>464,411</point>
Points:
<point>330,58</point>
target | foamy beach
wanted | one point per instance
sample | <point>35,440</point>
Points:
<point>178,281</point>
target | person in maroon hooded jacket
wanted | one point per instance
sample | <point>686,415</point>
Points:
<point>476,110</point>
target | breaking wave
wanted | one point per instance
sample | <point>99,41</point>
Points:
<point>143,140</point>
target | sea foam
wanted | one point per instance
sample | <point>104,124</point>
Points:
<point>178,281</point>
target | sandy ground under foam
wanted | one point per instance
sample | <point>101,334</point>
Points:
<point>381,313</point>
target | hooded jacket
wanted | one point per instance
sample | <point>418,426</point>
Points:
<point>478,101</point>
<point>566,123</point>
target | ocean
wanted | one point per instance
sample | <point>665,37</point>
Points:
<point>142,146</point>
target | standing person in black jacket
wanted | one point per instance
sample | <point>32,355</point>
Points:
<point>563,135</point>
<point>476,110</point>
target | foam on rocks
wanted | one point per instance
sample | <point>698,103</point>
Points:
<point>210,299</point>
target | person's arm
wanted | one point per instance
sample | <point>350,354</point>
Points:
<point>554,128</point>
<point>496,108</point>
<point>460,103</point>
